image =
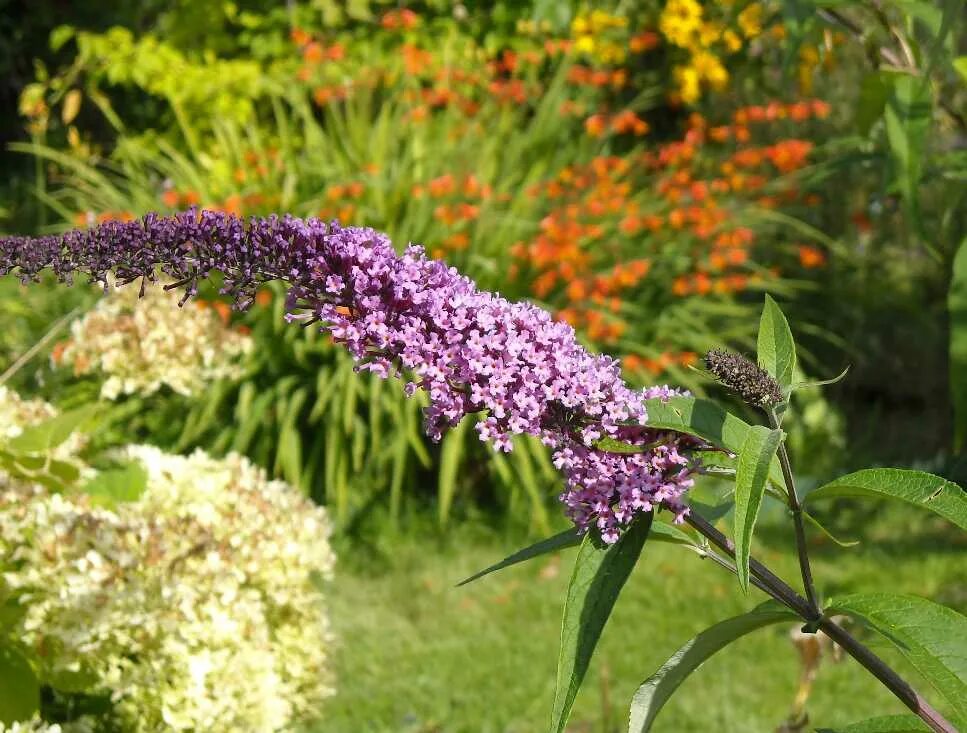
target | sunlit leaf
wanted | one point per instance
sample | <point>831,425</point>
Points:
<point>655,691</point>
<point>751,476</point>
<point>932,637</point>
<point>775,345</point>
<point>918,488</point>
<point>600,572</point>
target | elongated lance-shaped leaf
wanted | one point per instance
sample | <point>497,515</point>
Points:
<point>655,691</point>
<point>451,455</point>
<point>775,346</point>
<point>751,476</point>
<point>932,637</point>
<point>918,488</point>
<point>706,420</point>
<point>881,724</point>
<point>600,572</point>
<point>560,541</point>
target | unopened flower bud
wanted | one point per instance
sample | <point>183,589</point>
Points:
<point>751,382</point>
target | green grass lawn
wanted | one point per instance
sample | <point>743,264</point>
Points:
<point>417,654</point>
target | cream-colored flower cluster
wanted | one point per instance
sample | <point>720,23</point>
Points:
<point>141,344</point>
<point>195,606</point>
<point>18,413</point>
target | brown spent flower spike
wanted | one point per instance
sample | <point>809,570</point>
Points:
<point>751,382</point>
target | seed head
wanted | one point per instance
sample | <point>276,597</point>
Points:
<point>751,382</point>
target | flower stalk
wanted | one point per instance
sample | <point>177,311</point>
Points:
<point>782,592</point>
<point>795,507</point>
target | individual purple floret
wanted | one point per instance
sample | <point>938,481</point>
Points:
<point>471,351</point>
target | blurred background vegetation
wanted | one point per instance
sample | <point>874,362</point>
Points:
<point>645,169</point>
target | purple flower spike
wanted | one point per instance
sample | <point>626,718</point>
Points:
<point>471,351</point>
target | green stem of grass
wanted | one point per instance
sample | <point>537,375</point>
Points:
<point>782,592</point>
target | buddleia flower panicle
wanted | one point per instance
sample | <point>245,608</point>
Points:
<point>751,382</point>
<point>470,351</point>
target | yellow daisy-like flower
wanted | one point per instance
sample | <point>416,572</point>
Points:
<point>750,21</point>
<point>680,21</point>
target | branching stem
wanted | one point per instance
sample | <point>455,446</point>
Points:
<point>782,592</point>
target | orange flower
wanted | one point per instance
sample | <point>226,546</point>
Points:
<point>811,257</point>
<point>644,42</point>
<point>442,186</point>
<point>299,37</point>
<point>628,121</point>
<point>263,297</point>
<point>457,241</point>
<point>468,212</point>
<point>595,125</point>
<point>820,109</point>
<point>313,53</point>
<point>170,198</point>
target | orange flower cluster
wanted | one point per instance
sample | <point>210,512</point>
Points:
<point>626,121</point>
<point>644,42</point>
<point>404,19</point>
<point>89,218</point>
<point>584,76</point>
<point>659,365</point>
<point>636,209</point>
<point>341,201</point>
<point>461,199</point>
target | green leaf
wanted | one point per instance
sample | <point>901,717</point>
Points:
<point>560,541</point>
<point>909,112</point>
<point>709,512</point>
<point>932,637</point>
<point>882,724</point>
<point>610,445</point>
<point>451,454</point>
<point>819,525</point>
<point>600,572</point>
<point>914,487</point>
<point>51,433</point>
<point>116,485</point>
<point>655,691</point>
<point>776,348</point>
<point>822,382</point>
<point>20,691</point>
<point>751,476</point>
<point>957,308</point>
<point>664,532</point>
<point>874,91</point>
<point>960,64</point>
<point>706,420</point>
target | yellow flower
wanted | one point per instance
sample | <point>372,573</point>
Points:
<point>708,68</point>
<point>750,20</point>
<point>679,21</point>
<point>689,86</point>
<point>732,41</point>
<point>709,33</point>
<point>584,44</point>
<point>579,26</point>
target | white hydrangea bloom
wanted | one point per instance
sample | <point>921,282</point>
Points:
<point>31,726</point>
<point>194,606</point>
<point>141,344</point>
<point>17,413</point>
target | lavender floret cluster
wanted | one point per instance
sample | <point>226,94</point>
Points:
<point>471,351</point>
